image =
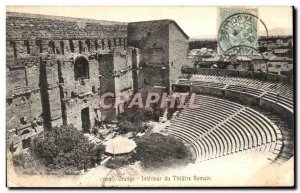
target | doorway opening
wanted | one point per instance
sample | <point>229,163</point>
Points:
<point>85,119</point>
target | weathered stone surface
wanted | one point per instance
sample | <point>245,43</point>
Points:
<point>45,87</point>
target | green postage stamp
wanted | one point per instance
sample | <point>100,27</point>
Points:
<point>238,28</point>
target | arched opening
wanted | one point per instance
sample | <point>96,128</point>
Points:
<point>25,132</point>
<point>85,119</point>
<point>81,68</point>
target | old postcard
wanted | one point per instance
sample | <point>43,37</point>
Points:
<point>150,97</point>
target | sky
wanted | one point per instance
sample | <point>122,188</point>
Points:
<point>197,22</point>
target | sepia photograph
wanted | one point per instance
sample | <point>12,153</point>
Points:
<point>152,96</point>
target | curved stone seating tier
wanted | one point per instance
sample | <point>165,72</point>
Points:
<point>269,94</point>
<point>240,138</point>
<point>219,106</point>
<point>281,88</point>
<point>259,139</point>
<point>208,84</point>
<point>283,101</point>
<point>281,98</point>
<point>220,127</point>
<point>230,80</point>
<point>270,128</point>
<point>287,90</point>
<point>251,91</point>
<point>263,148</point>
<point>249,136</point>
<point>202,99</point>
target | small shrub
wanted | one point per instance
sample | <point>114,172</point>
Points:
<point>26,163</point>
<point>135,115</point>
<point>132,120</point>
<point>22,160</point>
<point>67,147</point>
<point>156,151</point>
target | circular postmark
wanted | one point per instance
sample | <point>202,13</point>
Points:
<point>241,56</point>
<point>242,50</point>
<point>239,29</point>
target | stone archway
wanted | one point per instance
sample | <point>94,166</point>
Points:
<point>81,68</point>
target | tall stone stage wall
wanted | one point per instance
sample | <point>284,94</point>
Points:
<point>41,54</point>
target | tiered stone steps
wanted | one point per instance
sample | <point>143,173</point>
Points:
<point>282,89</point>
<point>276,93</point>
<point>219,127</point>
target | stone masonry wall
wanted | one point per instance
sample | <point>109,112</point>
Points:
<point>40,55</point>
<point>178,52</point>
<point>58,68</point>
<point>163,51</point>
<point>152,39</point>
